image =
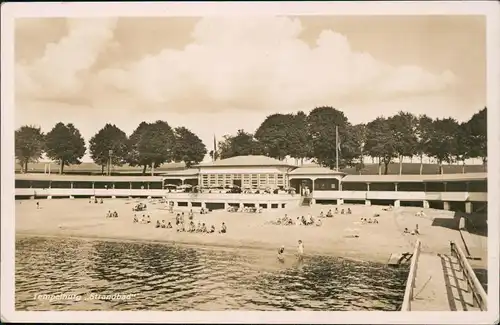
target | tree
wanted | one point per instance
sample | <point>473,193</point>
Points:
<point>477,130</point>
<point>242,144</point>
<point>29,145</point>
<point>274,134</point>
<point>299,138</point>
<point>462,146</point>
<point>151,145</point>
<point>442,142</point>
<point>380,142</point>
<point>352,146</point>
<point>404,126</point>
<point>109,146</point>
<point>188,147</point>
<point>322,123</point>
<point>65,144</point>
<point>423,133</point>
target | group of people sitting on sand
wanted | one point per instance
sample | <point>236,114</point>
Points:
<point>330,214</point>
<point>414,232</point>
<point>244,209</point>
<point>420,214</point>
<point>201,228</point>
<point>162,224</point>
<point>94,200</point>
<point>389,208</point>
<point>140,207</point>
<point>113,214</point>
<point>369,220</point>
<point>300,221</point>
<point>144,219</point>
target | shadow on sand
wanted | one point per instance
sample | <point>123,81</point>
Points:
<point>475,223</point>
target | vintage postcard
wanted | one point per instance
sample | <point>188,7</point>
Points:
<point>279,162</point>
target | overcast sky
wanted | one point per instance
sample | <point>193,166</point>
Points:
<point>216,75</point>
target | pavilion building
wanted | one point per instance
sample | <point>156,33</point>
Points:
<point>461,192</point>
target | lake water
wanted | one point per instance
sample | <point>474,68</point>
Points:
<point>167,277</point>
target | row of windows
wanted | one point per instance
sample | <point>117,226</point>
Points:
<point>253,180</point>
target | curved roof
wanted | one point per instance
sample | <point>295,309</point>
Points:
<point>315,170</point>
<point>86,178</point>
<point>183,172</point>
<point>415,178</point>
<point>246,161</point>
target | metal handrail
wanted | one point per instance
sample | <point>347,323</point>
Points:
<point>479,295</point>
<point>412,275</point>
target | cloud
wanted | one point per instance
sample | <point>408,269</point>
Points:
<point>62,69</point>
<point>261,63</point>
<point>246,63</point>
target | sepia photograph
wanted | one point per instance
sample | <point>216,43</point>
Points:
<point>258,158</point>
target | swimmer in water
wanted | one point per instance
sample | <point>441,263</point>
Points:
<point>300,250</point>
<point>281,252</point>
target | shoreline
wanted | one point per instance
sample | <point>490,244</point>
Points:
<point>193,244</point>
<point>376,242</point>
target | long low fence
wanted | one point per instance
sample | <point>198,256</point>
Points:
<point>183,197</point>
<point>317,195</point>
<point>401,195</point>
<point>412,275</point>
<point>479,295</point>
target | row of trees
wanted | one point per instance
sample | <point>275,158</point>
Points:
<point>313,136</point>
<point>149,146</point>
<point>299,135</point>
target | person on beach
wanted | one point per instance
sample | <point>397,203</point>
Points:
<point>329,214</point>
<point>163,225</point>
<point>336,210</point>
<point>192,227</point>
<point>212,229</point>
<point>300,250</point>
<point>148,220</point>
<point>157,224</point>
<point>95,200</point>
<point>319,223</point>
<point>108,215</point>
<point>203,228</point>
<point>281,252</point>
<point>304,221</point>
<point>420,214</point>
<point>169,225</point>
<point>115,214</point>
<point>311,220</point>
<point>406,231</point>
<point>342,211</point>
<point>37,205</point>
<point>102,201</point>
<point>349,211</point>
<point>136,220</point>
<point>198,228</point>
<point>223,228</point>
<point>321,215</point>
<point>416,231</point>
<point>375,221</point>
<point>191,214</point>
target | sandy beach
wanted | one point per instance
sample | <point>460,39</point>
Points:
<point>79,218</point>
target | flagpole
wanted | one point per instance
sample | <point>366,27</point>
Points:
<point>215,149</point>
<point>337,147</point>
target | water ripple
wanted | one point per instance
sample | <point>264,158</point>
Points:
<point>164,277</point>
